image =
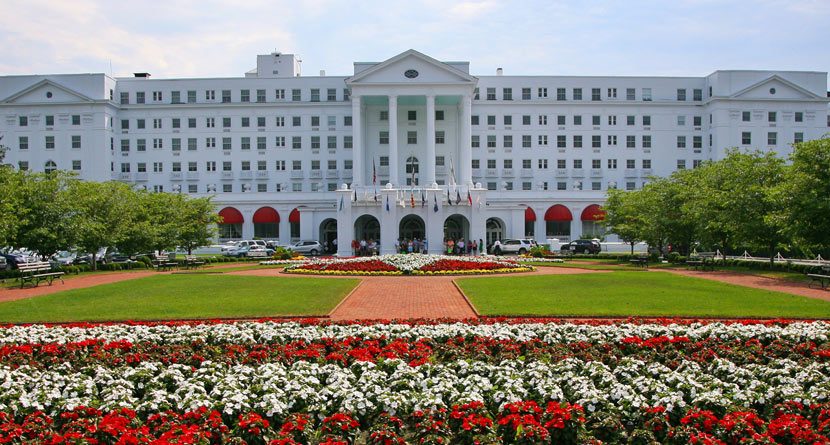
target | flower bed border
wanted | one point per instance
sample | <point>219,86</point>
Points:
<point>409,266</point>
<point>415,273</point>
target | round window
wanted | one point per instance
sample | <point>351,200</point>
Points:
<point>48,94</point>
<point>411,74</point>
<point>772,91</point>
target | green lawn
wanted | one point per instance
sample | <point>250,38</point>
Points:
<point>632,294</point>
<point>184,296</point>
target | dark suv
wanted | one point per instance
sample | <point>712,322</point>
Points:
<point>582,246</point>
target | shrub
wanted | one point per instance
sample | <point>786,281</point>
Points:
<point>282,253</point>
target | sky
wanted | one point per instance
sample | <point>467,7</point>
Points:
<point>212,38</point>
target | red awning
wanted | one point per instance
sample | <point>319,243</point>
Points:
<point>558,212</point>
<point>294,217</point>
<point>530,215</point>
<point>231,216</point>
<point>593,213</point>
<point>266,215</point>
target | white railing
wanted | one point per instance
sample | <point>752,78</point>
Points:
<point>778,258</point>
<point>371,195</point>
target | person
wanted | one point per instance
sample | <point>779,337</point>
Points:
<point>496,249</point>
<point>373,247</point>
<point>481,246</point>
<point>410,246</point>
<point>355,247</point>
<point>398,245</point>
<point>450,246</point>
<point>473,246</point>
<point>425,246</point>
<point>363,246</point>
<point>334,243</point>
<point>461,245</point>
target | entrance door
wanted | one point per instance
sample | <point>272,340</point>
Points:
<point>328,233</point>
<point>412,227</point>
<point>495,231</point>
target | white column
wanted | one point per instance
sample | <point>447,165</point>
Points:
<point>464,149</point>
<point>429,171</point>
<point>357,143</point>
<point>394,164</point>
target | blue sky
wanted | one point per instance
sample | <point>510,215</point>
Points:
<point>211,38</point>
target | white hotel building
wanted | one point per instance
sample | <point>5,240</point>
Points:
<point>406,148</point>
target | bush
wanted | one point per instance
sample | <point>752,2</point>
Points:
<point>541,252</point>
<point>282,253</point>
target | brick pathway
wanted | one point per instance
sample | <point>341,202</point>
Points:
<point>71,283</point>
<point>757,282</point>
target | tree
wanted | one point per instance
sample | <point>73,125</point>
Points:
<point>805,194</point>
<point>104,214</point>
<point>11,205</point>
<point>621,217</point>
<point>197,223</point>
<point>44,212</point>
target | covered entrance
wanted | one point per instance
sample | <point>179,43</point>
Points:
<point>366,228</point>
<point>328,234</point>
<point>456,227</point>
<point>495,230</point>
<point>412,227</point>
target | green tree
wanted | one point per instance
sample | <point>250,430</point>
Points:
<point>805,194</point>
<point>104,214</point>
<point>44,212</point>
<point>197,223</point>
<point>621,217</point>
<point>11,205</point>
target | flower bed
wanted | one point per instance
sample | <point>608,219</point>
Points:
<point>483,382</point>
<point>412,264</point>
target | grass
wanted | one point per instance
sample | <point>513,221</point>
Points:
<point>632,293</point>
<point>186,296</point>
<point>573,265</point>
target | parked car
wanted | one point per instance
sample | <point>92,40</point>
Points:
<point>3,263</point>
<point>517,246</point>
<point>64,258</point>
<point>582,246</point>
<point>254,251</point>
<point>14,259</point>
<point>307,247</point>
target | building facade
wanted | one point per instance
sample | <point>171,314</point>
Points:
<point>406,148</point>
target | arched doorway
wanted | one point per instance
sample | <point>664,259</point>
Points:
<point>266,223</point>
<point>230,228</point>
<point>412,227</point>
<point>592,226</point>
<point>328,234</point>
<point>530,223</point>
<point>367,228</point>
<point>558,222</point>
<point>412,171</point>
<point>294,224</point>
<point>495,230</point>
<point>456,227</point>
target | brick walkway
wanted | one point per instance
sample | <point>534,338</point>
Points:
<point>757,282</point>
<point>71,282</point>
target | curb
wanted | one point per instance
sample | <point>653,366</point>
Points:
<point>469,303</point>
<point>354,289</point>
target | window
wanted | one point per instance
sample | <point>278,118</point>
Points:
<point>560,120</point>
<point>646,121</point>
<point>412,115</point>
<point>76,119</point>
<point>647,94</point>
<point>696,163</point>
<point>798,137</point>
<point>596,185</point>
<point>125,167</point>
<point>384,115</point>
<point>526,163</point>
<point>175,97</point>
<point>630,163</point>
<point>125,98</point>
<point>595,121</point>
<point>578,141</point>
<point>260,96</point>
<point>491,141</point>
<point>508,120</point>
<point>578,119</point>
<point>245,96</point>
<point>799,116</point>
<point>525,93</point>
<point>176,122</point>
<point>315,95</point>
<point>697,95</point>
<point>233,232</point>
<point>411,137</point>
<point>50,121</point>
<point>226,166</point>
<point>681,94</point>
<point>560,94</point>
<point>279,141</point>
<point>296,121</point>
<point>612,120</point>
<point>746,138</point>
<point>347,121</point>
<point>191,122</point>
<point>191,166</point>
<point>260,122</point>
<point>23,142</point>
<point>76,142</point>
<point>141,145</point>
<point>526,120</point>
<point>315,121</point>
<point>681,164</point>
<point>507,163</point>
<point>745,116</point>
<point>347,142</point>
<point>246,143</point>
<point>561,141</point>
<point>439,137</point>
<point>542,93</point>
<point>226,143</point>
<point>315,142</point>
<point>296,142</point>
<point>612,164</point>
<point>226,96</point>
<point>612,140</point>
<point>526,141</point>
<point>630,185</point>
<point>140,124</point>
<point>596,163</point>
<point>630,141</point>
<point>492,186</point>
<point>646,163</point>
<point>543,140</point>
<point>384,161</point>
<point>139,97</point>
<point>772,116</point>
<point>279,166</point>
<point>491,163</point>
<point>681,142</point>
<point>158,143</point>
<point>772,138</point>
<point>331,94</point>
<point>246,165</point>
<point>697,121</point>
<point>260,143</point>
<point>681,121</point>
<point>331,142</point>
<point>296,95</point>
<point>630,120</point>
<point>49,142</point>
<point>596,141</point>
<point>475,94</point>
<point>210,166</point>
<point>596,94</point>
<point>475,164</point>
<point>577,163</point>
<point>646,141</point>
<point>157,96</point>
<point>23,121</point>
<point>491,94</point>
<point>697,142</point>
<point>543,120</point>
<point>577,94</point>
<point>279,94</point>
<point>630,94</point>
<point>209,122</point>
<point>210,94</point>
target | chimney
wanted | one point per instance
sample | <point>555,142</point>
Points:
<point>499,71</point>
<point>322,73</point>
<point>143,75</point>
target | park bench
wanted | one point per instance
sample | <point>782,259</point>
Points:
<point>703,260</point>
<point>822,278</point>
<point>162,262</point>
<point>36,272</point>
<point>640,262</point>
<point>192,262</point>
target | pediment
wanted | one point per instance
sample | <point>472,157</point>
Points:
<point>783,89</point>
<point>411,67</point>
<point>46,91</point>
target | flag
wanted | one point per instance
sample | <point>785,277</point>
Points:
<point>449,198</point>
<point>452,172</point>
<point>423,198</point>
<point>412,199</point>
<point>374,173</point>
<point>387,203</point>
<point>435,203</point>
<point>478,201</point>
<point>341,204</point>
<point>457,197</point>
<point>469,198</point>
<point>376,194</point>
<point>355,195</point>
